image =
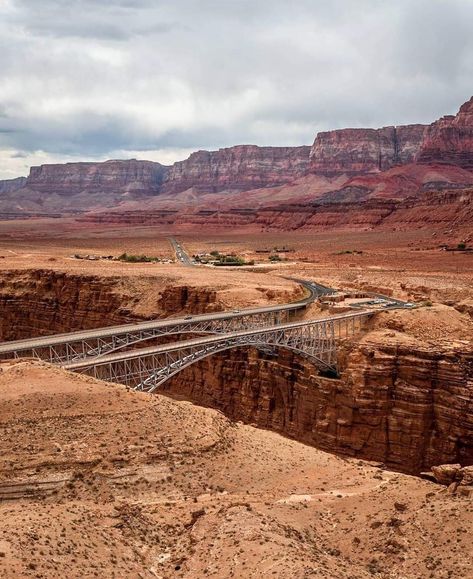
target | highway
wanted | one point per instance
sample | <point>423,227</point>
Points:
<point>176,346</point>
<point>313,289</point>
<point>180,252</point>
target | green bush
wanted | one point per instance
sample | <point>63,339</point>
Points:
<point>130,258</point>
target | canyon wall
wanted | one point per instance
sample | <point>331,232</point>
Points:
<point>42,302</point>
<point>237,168</point>
<point>404,406</point>
<point>357,151</point>
<point>398,400</point>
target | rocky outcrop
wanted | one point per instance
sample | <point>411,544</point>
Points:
<point>237,168</point>
<point>76,187</point>
<point>397,403</point>
<point>357,151</point>
<point>398,400</point>
<point>11,185</point>
<point>450,139</point>
<point>42,302</point>
<point>342,166</point>
<point>72,178</point>
<point>73,187</point>
<point>458,479</point>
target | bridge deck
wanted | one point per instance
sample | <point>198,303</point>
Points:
<point>212,339</point>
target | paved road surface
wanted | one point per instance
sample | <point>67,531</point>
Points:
<point>180,252</point>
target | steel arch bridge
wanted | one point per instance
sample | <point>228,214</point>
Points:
<point>87,344</point>
<point>75,346</point>
<point>147,369</point>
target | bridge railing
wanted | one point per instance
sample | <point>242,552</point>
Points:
<point>148,368</point>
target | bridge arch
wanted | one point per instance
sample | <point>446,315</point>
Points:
<point>160,376</point>
<point>146,369</point>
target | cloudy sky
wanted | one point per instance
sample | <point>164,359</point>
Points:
<point>156,79</point>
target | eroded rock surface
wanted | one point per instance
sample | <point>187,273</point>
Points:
<point>99,481</point>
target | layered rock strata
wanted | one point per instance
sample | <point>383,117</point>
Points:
<point>11,185</point>
<point>42,302</point>
<point>357,151</point>
<point>237,168</point>
<point>402,405</point>
<point>450,139</point>
<point>435,209</point>
<point>110,176</point>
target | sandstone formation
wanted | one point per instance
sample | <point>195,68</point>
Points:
<point>450,139</point>
<point>356,151</point>
<point>71,178</point>
<point>399,400</point>
<point>347,167</point>
<point>11,185</point>
<point>436,209</point>
<point>399,404</point>
<point>82,187</point>
<point>458,479</point>
<point>78,187</point>
<point>237,169</point>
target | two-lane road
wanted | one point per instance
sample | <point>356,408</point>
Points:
<point>180,252</point>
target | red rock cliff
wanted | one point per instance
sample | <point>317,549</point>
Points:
<point>237,168</point>
<point>398,404</point>
<point>356,151</point>
<point>450,139</point>
<point>71,178</point>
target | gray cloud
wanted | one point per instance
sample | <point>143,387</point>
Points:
<point>89,77</point>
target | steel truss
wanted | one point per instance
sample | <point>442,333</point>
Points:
<point>71,351</point>
<point>148,369</point>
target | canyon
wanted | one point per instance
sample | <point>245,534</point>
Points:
<point>252,456</point>
<point>399,399</point>
<point>96,480</point>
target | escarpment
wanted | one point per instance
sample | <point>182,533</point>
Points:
<point>109,176</point>
<point>237,168</point>
<point>343,166</point>
<point>357,151</point>
<point>450,139</point>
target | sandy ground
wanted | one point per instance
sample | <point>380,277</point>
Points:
<point>403,261</point>
<point>96,481</point>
